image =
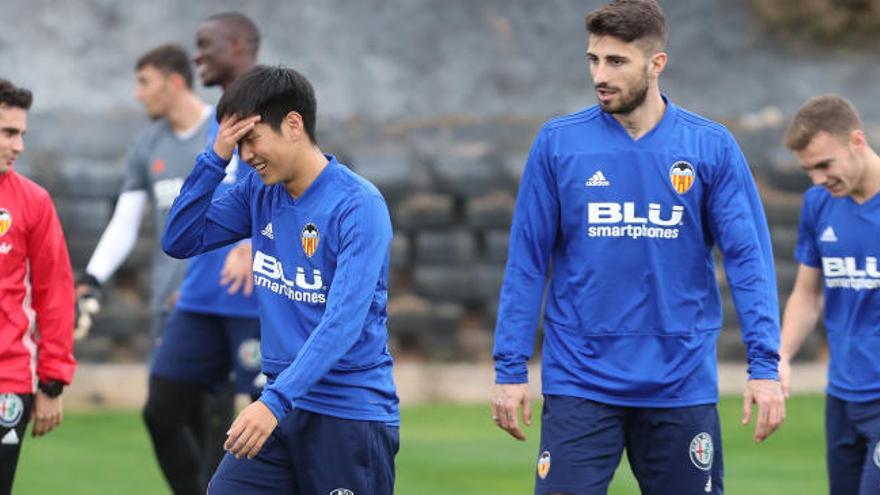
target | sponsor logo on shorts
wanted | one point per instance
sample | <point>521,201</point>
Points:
<point>544,464</point>
<point>702,451</point>
<point>708,487</point>
<point>5,222</point>
<point>877,455</point>
<point>10,438</point>
<point>342,491</point>
<point>11,410</point>
<point>249,354</point>
<point>309,239</point>
<point>5,248</point>
<point>682,176</point>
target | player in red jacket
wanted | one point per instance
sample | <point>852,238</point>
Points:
<point>36,296</point>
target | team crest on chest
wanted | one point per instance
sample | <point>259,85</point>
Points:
<point>309,239</point>
<point>11,410</point>
<point>5,222</point>
<point>682,176</point>
<point>702,451</point>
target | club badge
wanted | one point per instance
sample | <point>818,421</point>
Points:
<point>544,465</point>
<point>11,410</point>
<point>5,222</point>
<point>309,239</point>
<point>701,451</point>
<point>682,176</point>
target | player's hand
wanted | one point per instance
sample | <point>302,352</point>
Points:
<point>767,395</point>
<point>88,304</point>
<point>250,430</point>
<point>785,376</point>
<point>506,401</point>
<point>237,272</point>
<point>47,413</point>
<point>232,129</point>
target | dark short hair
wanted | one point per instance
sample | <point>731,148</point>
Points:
<point>13,96</point>
<point>169,59</point>
<point>829,113</point>
<point>242,26</point>
<point>271,93</point>
<point>630,20</point>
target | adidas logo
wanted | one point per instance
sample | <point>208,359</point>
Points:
<point>828,235</point>
<point>10,438</point>
<point>267,231</point>
<point>598,179</point>
<point>5,248</point>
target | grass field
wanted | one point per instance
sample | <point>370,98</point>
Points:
<point>445,450</point>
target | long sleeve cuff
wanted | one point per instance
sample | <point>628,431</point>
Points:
<point>276,403</point>
<point>764,368</point>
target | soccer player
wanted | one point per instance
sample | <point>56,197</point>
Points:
<point>625,200</point>
<point>211,330</point>
<point>327,418</point>
<point>838,247</point>
<point>36,292</point>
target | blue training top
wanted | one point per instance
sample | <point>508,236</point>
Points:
<point>200,290</point>
<point>632,306</point>
<point>321,277</point>
<point>842,238</point>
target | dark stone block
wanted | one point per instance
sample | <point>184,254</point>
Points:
<point>497,245</point>
<point>90,179</point>
<point>396,174</point>
<point>83,216</point>
<point>424,211</point>
<point>452,247</point>
<point>493,210</point>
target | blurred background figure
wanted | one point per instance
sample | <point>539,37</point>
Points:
<point>838,248</point>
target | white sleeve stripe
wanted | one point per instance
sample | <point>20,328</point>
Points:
<point>120,235</point>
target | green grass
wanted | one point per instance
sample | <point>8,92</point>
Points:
<point>445,450</point>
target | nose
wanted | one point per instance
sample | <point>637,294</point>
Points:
<point>597,71</point>
<point>18,144</point>
<point>245,152</point>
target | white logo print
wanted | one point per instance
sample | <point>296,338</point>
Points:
<point>10,438</point>
<point>844,273</point>
<point>598,179</point>
<point>5,248</point>
<point>342,491</point>
<point>269,274</point>
<point>828,235</point>
<point>267,231</point>
<point>708,487</point>
<point>877,455</point>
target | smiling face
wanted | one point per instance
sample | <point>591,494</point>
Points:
<point>623,73</point>
<point>274,154</point>
<point>215,57</point>
<point>835,162</point>
<point>13,125</point>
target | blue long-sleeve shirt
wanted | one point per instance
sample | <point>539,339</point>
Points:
<point>320,275</point>
<point>632,308</point>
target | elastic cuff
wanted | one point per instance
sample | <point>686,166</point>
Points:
<point>276,403</point>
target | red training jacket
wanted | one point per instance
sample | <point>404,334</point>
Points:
<point>36,289</point>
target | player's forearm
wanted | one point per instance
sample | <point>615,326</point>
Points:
<point>188,230</point>
<point>518,313</point>
<point>119,237</point>
<point>802,313</point>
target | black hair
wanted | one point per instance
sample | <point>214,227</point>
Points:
<point>13,96</point>
<point>271,93</point>
<point>243,27</point>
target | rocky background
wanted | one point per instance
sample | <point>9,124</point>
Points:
<point>436,102</point>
